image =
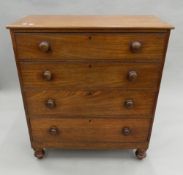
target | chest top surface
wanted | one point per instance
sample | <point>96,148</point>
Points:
<point>91,22</point>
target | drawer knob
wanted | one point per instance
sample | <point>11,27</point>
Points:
<point>53,130</point>
<point>47,75</point>
<point>132,75</point>
<point>129,104</point>
<point>44,46</point>
<point>50,103</point>
<point>136,46</point>
<point>126,131</point>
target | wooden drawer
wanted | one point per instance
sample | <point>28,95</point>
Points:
<point>94,102</point>
<point>58,75</point>
<point>64,46</point>
<point>90,130</point>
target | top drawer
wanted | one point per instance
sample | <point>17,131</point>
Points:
<point>95,46</point>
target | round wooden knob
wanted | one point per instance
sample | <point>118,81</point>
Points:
<point>129,104</point>
<point>136,46</point>
<point>44,46</point>
<point>50,103</point>
<point>132,75</point>
<point>53,130</point>
<point>126,131</point>
<point>47,75</point>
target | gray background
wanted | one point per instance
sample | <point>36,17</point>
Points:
<point>165,155</point>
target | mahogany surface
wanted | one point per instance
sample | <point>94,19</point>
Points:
<point>90,82</point>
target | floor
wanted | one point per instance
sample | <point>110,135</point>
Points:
<point>165,155</point>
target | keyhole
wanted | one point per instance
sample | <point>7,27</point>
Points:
<point>90,121</point>
<point>90,66</point>
<point>89,37</point>
<point>89,93</point>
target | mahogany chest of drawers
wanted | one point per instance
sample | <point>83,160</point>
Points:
<point>90,82</point>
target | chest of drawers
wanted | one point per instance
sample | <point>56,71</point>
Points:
<point>90,82</point>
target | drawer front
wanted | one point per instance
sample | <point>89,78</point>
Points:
<point>90,130</point>
<point>58,75</point>
<point>82,103</point>
<point>63,46</point>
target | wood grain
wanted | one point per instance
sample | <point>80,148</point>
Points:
<point>91,102</point>
<point>89,146</point>
<point>94,46</point>
<point>90,130</point>
<point>90,74</point>
<point>92,22</point>
<point>73,75</point>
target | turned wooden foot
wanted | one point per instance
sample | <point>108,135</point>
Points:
<point>140,153</point>
<point>39,153</point>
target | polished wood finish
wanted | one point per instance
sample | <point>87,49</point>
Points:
<point>89,22</point>
<point>39,153</point>
<point>129,103</point>
<point>76,46</point>
<point>47,75</point>
<point>126,131</point>
<point>132,75</point>
<point>44,46</point>
<point>90,82</point>
<point>53,130</point>
<point>91,145</point>
<point>90,130</point>
<point>94,102</point>
<point>136,46</point>
<point>90,75</point>
<point>140,153</point>
<point>50,103</point>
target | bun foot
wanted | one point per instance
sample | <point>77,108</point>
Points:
<point>39,153</point>
<point>140,154</point>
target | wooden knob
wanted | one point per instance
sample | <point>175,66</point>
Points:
<point>132,75</point>
<point>47,75</point>
<point>136,46</point>
<point>126,131</point>
<point>44,46</point>
<point>50,103</point>
<point>129,104</point>
<point>53,130</point>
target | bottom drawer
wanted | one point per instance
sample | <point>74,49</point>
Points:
<point>92,130</point>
